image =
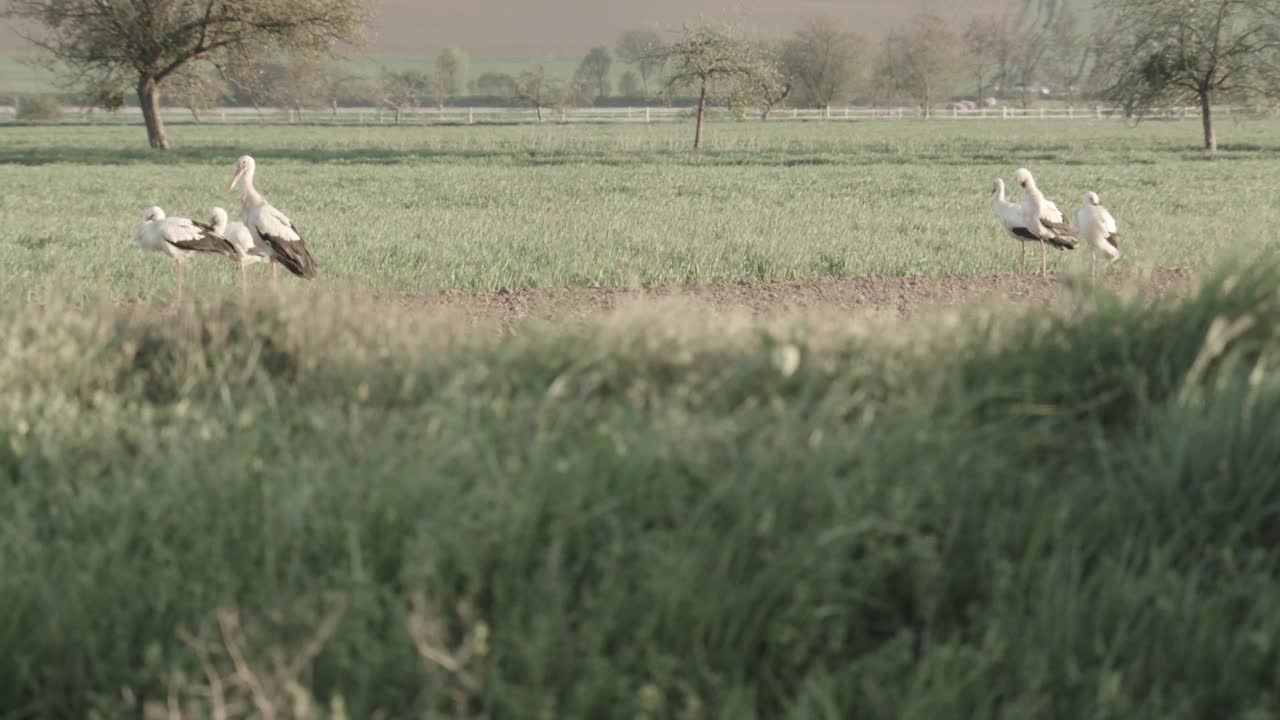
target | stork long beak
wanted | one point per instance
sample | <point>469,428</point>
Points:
<point>236,179</point>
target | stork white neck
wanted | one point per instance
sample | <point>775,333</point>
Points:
<point>218,220</point>
<point>249,195</point>
<point>997,192</point>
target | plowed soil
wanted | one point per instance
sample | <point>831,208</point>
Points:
<point>877,297</point>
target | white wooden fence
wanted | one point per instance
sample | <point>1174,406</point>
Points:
<point>465,116</point>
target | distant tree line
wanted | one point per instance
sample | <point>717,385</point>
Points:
<point>199,54</point>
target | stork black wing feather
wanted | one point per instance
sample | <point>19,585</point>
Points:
<point>1062,242</point>
<point>209,242</point>
<point>293,255</point>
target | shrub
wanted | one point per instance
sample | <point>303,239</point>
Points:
<point>39,108</point>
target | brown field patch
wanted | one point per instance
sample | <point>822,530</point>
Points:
<point>890,298</point>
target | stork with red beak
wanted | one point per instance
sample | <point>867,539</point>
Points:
<point>271,229</point>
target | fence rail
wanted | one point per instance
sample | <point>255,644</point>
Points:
<point>481,115</point>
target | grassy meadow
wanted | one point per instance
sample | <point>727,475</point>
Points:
<point>333,509</point>
<point>321,504</point>
<point>410,210</point>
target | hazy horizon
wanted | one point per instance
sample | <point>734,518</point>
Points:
<point>560,27</point>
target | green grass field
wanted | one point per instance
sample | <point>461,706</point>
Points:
<point>328,504</point>
<point>335,509</point>
<point>426,209</point>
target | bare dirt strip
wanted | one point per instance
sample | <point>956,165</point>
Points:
<point>899,298</point>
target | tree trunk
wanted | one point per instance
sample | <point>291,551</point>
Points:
<point>538,106</point>
<point>702,109</point>
<point>149,99</point>
<point>1206,118</point>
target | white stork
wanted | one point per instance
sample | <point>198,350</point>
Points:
<point>1044,219</point>
<point>248,252</point>
<point>271,228</point>
<point>180,239</point>
<point>1012,219</point>
<point>1098,227</point>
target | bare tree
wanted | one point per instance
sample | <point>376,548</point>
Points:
<point>594,71</point>
<point>300,85</point>
<point>823,61</point>
<point>768,86</point>
<point>1031,47</point>
<point>925,60</point>
<point>640,48</point>
<point>293,85</point>
<point>576,92</point>
<point>194,87</point>
<point>1070,55</point>
<point>1192,51</point>
<point>343,86</point>
<point>707,54</point>
<point>536,88</point>
<point>404,90</point>
<point>144,42</point>
<point>989,40</point>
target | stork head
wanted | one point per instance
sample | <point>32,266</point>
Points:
<point>1091,198</point>
<point>1023,178</point>
<point>153,214</point>
<point>218,219</point>
<point>244,166</point>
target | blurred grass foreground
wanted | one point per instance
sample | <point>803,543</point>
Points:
<point>346,511</point>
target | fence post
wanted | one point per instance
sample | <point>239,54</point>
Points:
<point>1004,112</point>
<point>563,114</point>
<point>828,111</point>
<point>646,114</point>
